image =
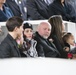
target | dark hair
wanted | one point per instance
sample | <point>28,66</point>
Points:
<point>13,22</point>
<point>66,37</point>
<point>56,23</point>
<point>27,25</point>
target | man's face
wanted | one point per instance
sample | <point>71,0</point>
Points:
<point>45,31</point>
<point>20,31</point>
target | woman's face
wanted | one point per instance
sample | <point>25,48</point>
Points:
<point>28,33</point>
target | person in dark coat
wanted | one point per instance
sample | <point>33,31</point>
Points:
<point>9,47</point>
<point>59,7</point>
<point>5,12</point>
<point>37,9</point>
<point>18,8</point>
<point>14,7</point>
<point>45,48</point>
<point>56,33</point>
<point>72,3</point>
<point>23,9</point>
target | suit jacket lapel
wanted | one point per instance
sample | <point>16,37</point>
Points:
<point>14,44</point>
<point>16,47</point>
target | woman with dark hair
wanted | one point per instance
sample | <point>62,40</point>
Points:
<point>56,33</point>
<point>59,7</point>
<point>28,48</point>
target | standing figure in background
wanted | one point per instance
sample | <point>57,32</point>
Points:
<point>13,5</point>
<point>72,3</point>
<point>18,8</point>
<point>37,9</point>
<point>23,9</point>
<point>59,7</point>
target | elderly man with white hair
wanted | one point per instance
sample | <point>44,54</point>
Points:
<point>45,47</point>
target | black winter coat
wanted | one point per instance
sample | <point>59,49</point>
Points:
<point>45,47</point>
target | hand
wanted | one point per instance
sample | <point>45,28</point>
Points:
<point>66,49</point>
<point>51,40</point>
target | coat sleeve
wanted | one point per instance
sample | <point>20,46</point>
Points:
<point>4,51</point>
<point>40,50</point>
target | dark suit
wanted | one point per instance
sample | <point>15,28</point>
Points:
<point>23,9</point>
<point>45,47</point>
<point>14,7</point>
<point>9,48</point>
<point>67,11</point>
<point>72,2</point>
<point>5,14</point>
<point>37,9</point>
